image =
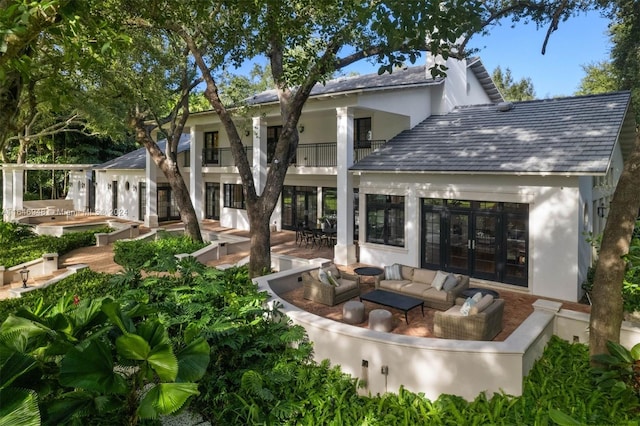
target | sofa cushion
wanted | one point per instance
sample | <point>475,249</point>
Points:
<point>438,280</point>
<point>454,310</point>
<point>393,284</point>
<point>483,304</point>
<point>392,272</point>
<point>433,294</point>
<point>407,272</point>
<point>424,276</point>
<point>450,282</point>
<point>414,289</point>
<point>345,285</point>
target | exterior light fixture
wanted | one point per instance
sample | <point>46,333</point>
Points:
<point>24,276</point>
<point>301,128</point>
<point>601,211</point>
<point>247,132</point>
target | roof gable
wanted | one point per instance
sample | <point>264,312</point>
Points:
<point>563,135</point>
<point>138,159</point>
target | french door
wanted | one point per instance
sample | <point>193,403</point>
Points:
<point>212,200</point>
<point>484,240</point>
<point>167,209</point>
<point>299,206</point>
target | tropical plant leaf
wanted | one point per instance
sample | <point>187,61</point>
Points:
<point>193,361</point>
<point>562,419</point>
<point>19,408</point>
<point>153,332</point>
<point>112,310</point>
<point>132,346</point>
<point>90,367</point>
<point>635,352</point>
<point>166,398</point>
<point>164,362</point>
<point>25,326</point>
<point>63,409</point>
<point>14,366</point>
<point>619,351</point>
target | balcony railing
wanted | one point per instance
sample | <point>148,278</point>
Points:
<point>326,154</point>
<point>222,157</point>
<point>309,155</point>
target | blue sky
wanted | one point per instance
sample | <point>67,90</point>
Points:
<point>581,40</point>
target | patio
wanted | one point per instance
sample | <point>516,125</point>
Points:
<point>518,305</point>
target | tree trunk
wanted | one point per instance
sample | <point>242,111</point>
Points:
<point>260,252</point>
<point>607,309</point>
<point>181,196</point>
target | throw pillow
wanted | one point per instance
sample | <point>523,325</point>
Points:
<point>476,297</point>
<point>438,281</point>
<point>332,279</point>
<point>466,306</point>
<point>324,278</point>
<point>392,272</point>
<point>334,271</point>
<point>450,282</point>
<point>481,305</point>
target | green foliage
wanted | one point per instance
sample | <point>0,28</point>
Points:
<point>631,283</point>
<point>158,255</point>
<point>12,233</point>
<point>29,247</point>
<point>89,356</point>
<point>619,372</point>
<point>511,90</point>
<point>85,284</point>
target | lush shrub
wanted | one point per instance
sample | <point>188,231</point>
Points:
<point>34,246</point>
<point>158,255</point>
<point>11,233</point>
<point>86,284</point>
<point>631,283</point>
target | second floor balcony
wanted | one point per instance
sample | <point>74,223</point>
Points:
<point>307,155</point>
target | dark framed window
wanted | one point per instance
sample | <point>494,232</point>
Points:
<point>187,158</point>
<point>273,134</point>
<point>234,196</point>
<point>362,132</point>
<point>211,154</point>
<point>385,219</point>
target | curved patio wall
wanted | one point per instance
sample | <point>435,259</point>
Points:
<point>419,364</point>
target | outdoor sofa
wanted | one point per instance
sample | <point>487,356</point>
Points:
<point>483,322</point>
<point>437,289</point>
<point>342,288</point>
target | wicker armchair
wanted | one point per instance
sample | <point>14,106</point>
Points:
<point>484,325</point>
<point>317,291</point>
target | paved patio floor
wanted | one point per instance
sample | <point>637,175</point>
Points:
<point>518,305</point>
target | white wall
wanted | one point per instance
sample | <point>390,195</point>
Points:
<point>127,199</point>
<point>554,210</point>
<point>78,190</point>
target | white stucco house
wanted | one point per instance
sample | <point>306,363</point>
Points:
<point>438,173</point>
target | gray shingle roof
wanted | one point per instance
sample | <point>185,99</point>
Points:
<point>401,77</point>
<point>137,159</point>
<point>562,135</point>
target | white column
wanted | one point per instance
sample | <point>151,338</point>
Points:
<point>18,189</point>
<point>345,250</point>
<point>259,153</point>
<point>7,194</point>
<point>195,175</point>
<point>151,172</point>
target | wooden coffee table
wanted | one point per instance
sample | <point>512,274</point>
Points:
<point>394,300</point>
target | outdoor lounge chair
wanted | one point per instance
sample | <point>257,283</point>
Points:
<point>484,325</point>
<point>328,294</point>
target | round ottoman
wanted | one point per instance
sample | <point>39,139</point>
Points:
<point>353,312</point>
<point>380,320</point>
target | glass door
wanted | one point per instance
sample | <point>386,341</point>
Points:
<point>212,200</point>
<point>485,246</point>
<point>459,244</point>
